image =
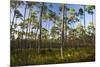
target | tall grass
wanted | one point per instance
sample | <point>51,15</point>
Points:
<point>29,56</point>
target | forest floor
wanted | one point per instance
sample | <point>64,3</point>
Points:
<point>30,56</point>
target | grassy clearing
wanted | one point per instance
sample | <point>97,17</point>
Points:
<point>51,56</point>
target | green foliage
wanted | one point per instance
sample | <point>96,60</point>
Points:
<point>90,9</point>
<point>91,29</point>
<point>81,12</point>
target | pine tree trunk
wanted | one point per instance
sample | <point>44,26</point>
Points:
<point>84,26</point>
<point>62,30</point>
<point>40,26</point>
<point>84,16</point>
<point>22,41</point>
<point>92,19</point>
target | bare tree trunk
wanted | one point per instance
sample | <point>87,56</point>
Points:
<point>62,30</point>
<point>30,29</point>
<point>84,15</point>
<point>11,27</point>
<point>24,20</point>
<point>84,26</point>
<point>92,19</point>
<point>40,26</point>
<point>22,41</point>
<point>36,40</point>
